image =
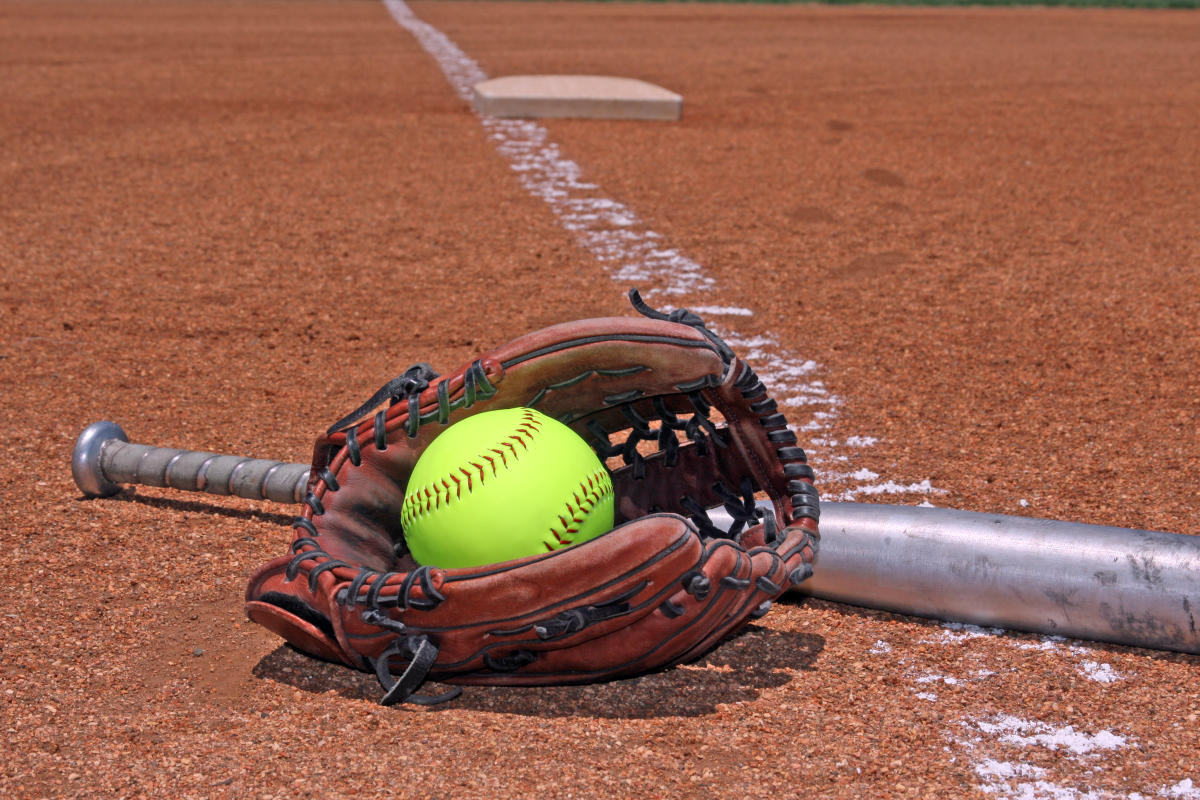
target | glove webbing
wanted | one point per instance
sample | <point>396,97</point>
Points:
<point>408,388</point>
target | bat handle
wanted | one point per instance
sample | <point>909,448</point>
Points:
<point>104,458</point>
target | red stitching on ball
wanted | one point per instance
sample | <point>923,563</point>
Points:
<point>594,489</point>
<point>430,498</point>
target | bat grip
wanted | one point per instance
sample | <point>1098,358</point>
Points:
<point>104,458</point>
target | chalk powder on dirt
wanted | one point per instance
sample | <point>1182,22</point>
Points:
<point>632,252</point>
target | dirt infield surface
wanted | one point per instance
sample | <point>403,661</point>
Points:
<point>962,245</point>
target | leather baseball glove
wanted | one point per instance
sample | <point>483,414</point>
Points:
<point>684,425</point>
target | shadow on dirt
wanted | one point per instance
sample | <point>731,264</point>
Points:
<point>955,632</point>
<point>735,672</point>
<point>195,507</point>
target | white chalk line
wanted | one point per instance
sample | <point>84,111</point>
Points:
<point>610,230</point>
<point>999,746</point>
<point>634,254</point>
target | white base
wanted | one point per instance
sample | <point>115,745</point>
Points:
<point>575,96</point>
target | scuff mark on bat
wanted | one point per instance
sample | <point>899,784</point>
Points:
<point>1145,569</point>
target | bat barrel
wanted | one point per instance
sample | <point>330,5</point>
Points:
<point>1131,587</point>
<point>104,458</point>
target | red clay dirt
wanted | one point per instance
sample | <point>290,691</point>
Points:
<point>225,224</point>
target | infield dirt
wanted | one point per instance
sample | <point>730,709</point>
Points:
<point>223,225</point>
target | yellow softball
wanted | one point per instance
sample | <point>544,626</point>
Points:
<point>503,485</point>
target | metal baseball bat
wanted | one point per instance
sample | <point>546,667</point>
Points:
<point>1131,587</point>
<point>104,458</point>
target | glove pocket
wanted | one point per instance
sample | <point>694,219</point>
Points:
<point>505,619</point>
<point>665,626</point>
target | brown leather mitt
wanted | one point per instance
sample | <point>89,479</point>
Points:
<point>684,426</point>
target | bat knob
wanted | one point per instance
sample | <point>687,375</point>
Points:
<point>85,462</point>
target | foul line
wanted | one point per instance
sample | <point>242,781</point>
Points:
<point>610,230</point>
<point>633,253</point>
